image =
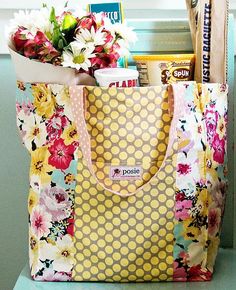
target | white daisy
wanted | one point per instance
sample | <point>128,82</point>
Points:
<point>123,50</point>
<point>102,21</point>
<point>79,56</point>
<point>32,21</point>
<point>125,32</point>
<point>85,36</point>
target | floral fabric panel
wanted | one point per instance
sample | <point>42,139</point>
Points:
<point>47,130</point>
<point>215,113</point>
<point>200,181</point>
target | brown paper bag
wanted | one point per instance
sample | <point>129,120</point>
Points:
<point>208,25</point>
<point>219,20</point>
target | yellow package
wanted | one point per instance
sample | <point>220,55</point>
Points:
<point>156,70</point>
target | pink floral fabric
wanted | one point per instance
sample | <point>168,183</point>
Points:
<point>45,124</point>
<point>201,180</point>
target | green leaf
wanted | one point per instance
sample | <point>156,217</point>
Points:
<point>53,18</point>
<point>56,36</point>
<point>60,44</point>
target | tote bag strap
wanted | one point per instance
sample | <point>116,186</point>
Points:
<point>78,110</point>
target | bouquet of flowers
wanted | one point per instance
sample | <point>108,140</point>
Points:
<point>85,43</point>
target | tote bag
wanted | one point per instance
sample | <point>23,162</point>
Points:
<point>123,187</point>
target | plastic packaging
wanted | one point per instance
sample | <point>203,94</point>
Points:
<point>164,69</point>
<point>116,77</point>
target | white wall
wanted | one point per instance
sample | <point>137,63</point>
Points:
<point>129,4</point>
<point>179,4</point>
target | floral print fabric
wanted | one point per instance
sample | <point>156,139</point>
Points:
<point>45,123</point>
<point>201,180</point>
<point>46,126</point>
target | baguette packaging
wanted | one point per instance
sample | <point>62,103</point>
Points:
<point>208,25</point>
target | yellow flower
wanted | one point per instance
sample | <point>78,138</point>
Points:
<point>202,162</point>
<point>197,100</point>
<point>33,253</point>
<point>190,232</point>
<point>39,164</point>
<point>32,200</point>
<point>212,252</point>
<point>221,128</point>
<point>44,101</point>
<point>183,142</point>
<point>64,96</point>
<point>197,250</point>
<point>70,134</point>
<point>203,202</point>
<point>205,96</point>
<point>211,166</point>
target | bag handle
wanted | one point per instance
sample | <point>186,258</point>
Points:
<point>78,109</point>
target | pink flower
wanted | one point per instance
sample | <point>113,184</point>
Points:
<point>185,257</point>
<point>104,60</point>
<point>214,221</point>
<point>86,22</point>
<point>56,125</point>
<point>184,169</point>
<point>40,222</point>
<point>51,276</point>
<point>105,56</point>
<point>179,273</point>
<point>56,202</point>
<point>40,47</point>
<point>61,155</point>
<point>20,38</point>
<point>196,273</point>
<point>90,20</point>
<point>18,107</point>
<point>182,209</point>
<point>223,88</point>
<point>212,118</point>
<point>27,108</point>
<point>219,149</point>
<point>35,47</point>
<point>70,229</point>
<point>180,196</point>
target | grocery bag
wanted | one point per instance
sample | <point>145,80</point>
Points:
<point>122,187</point>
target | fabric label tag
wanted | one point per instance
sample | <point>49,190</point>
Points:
<point>126,172</point>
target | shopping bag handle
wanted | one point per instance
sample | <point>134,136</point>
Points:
<point>77,94</point>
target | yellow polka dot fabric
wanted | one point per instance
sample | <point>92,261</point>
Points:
<point>128,127</point>
<point>121,239</point>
